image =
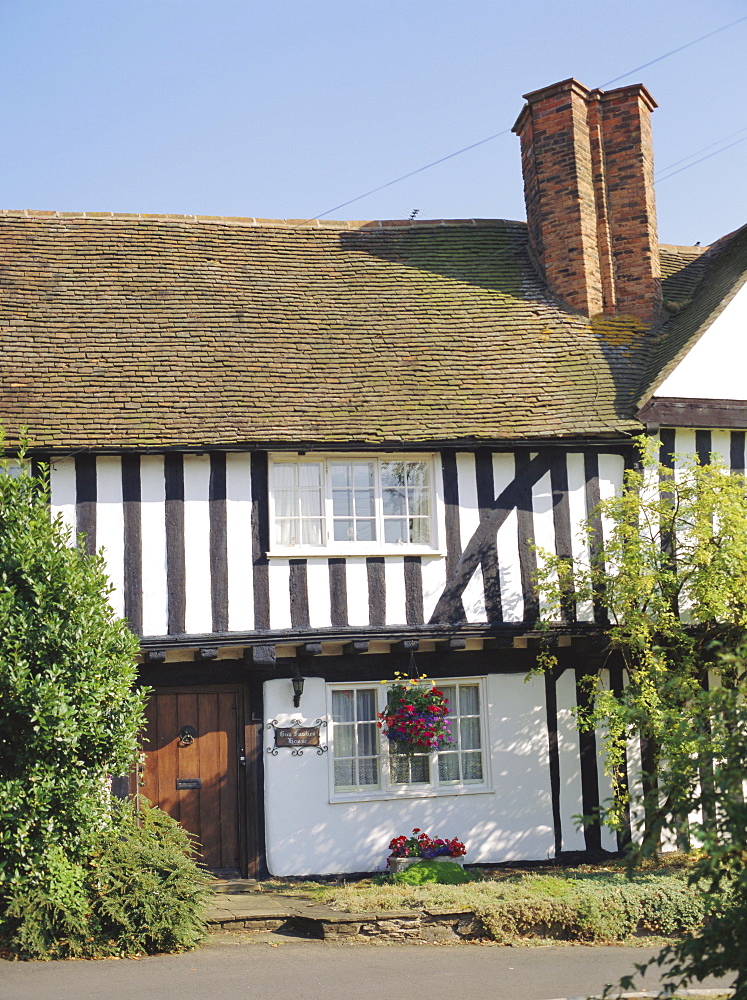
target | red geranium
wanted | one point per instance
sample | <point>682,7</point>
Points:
<point>420,845</point>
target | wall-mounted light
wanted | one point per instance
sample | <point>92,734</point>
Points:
<point>297,682</point>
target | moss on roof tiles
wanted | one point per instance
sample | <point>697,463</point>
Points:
<point>132,331</point>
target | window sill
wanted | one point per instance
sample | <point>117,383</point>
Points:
<point>409,793</point>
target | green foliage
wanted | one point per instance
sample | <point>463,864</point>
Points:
<point>139,891</point>
<point>672,578</point>
<point>598,908</point>
<point>68,715</point>
<point>78,876</point>
<point>441,872</point>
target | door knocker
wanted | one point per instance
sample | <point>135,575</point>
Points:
<point>187,735</point>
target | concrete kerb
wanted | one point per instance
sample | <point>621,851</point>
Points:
<point>662,994</point>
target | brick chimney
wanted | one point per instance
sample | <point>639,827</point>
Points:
<point>587,160</point>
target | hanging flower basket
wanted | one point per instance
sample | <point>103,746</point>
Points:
<point>414,720</point>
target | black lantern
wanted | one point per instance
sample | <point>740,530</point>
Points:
<point>297,681</point>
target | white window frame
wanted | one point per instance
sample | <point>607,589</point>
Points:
<point>379,547</point>
<point>386,788</point>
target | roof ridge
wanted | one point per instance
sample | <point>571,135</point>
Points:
<point>255,221</point>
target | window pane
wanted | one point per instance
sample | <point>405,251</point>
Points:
<point>285,503</point>
<point>394,502</point>
<point>310,503</point>
<point>417,474</point>
<point>342,503</point>
<point>420,530</point>
<point>342,530</point>
<point>284,474</point>
<point>395,530</point>
<point>409,770</point>
<point>420,502</point>
<point>469,700</point>
<point>367,705</point>
<point>344,741</point>
<point>419,768</point>
<point>449,694</point>
<point>472,764</point>
<point>364,503</point>
<point>399,770</point>
<point>368,771</point>
<point>392,474</point>
<point>340,474</point>
<point>365,531</point>
<point>367,739</point>
<point>343,706</point>
<point>285,532</point>
<point>311,532</point>
<point>309,474</point>
<point>363,474</point>
<point>344,773</point>
<point>448,767</point>
<point>470,731</point>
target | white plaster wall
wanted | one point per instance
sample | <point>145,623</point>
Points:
<point>198,615</point>
<point>473,598</point>
<point>110,526</point>
<point>239,542</point>
<point>715,367</point>
<point>512,598</point>
<point>153,527</point>
<point>544,529</point>
<point>571,798</point>
<point>308,834</point>
<point>579,515</point>
<point>609,837</point>
<point>62,485</point>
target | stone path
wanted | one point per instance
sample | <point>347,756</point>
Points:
<point>242,904</point>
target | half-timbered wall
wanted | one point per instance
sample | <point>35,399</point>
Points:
<point>727,446</point>
<point>186,539</point>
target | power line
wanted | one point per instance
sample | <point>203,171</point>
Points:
<point>663,170</point>
<point>480,142</point>
<point>412,173</point>
<point>715,153</point>
<point>674,51</point>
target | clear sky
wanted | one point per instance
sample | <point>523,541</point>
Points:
<point>285,109</point>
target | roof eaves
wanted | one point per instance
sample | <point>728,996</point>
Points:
<point>701,312</point>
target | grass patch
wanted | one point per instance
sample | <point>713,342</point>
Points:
<point>598,905</point>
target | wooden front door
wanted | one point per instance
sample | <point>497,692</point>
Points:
<point>192,749</point>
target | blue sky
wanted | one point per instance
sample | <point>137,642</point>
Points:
<point>285,109</point>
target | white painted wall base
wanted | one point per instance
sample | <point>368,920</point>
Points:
<point>308,834</point>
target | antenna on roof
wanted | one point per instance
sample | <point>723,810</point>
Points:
<point>414,213</point>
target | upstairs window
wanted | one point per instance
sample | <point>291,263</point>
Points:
<point>352,504</point>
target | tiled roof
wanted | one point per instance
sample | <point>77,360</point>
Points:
<point>143,331</point>
<point>695,293</point>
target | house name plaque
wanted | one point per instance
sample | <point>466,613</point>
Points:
<point>296,736</point>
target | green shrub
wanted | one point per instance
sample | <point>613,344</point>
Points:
<point>140,891</point>
<point>70,714</point>
<point>76,879</point>
<point>598,908</point>
<point>440,872</point>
